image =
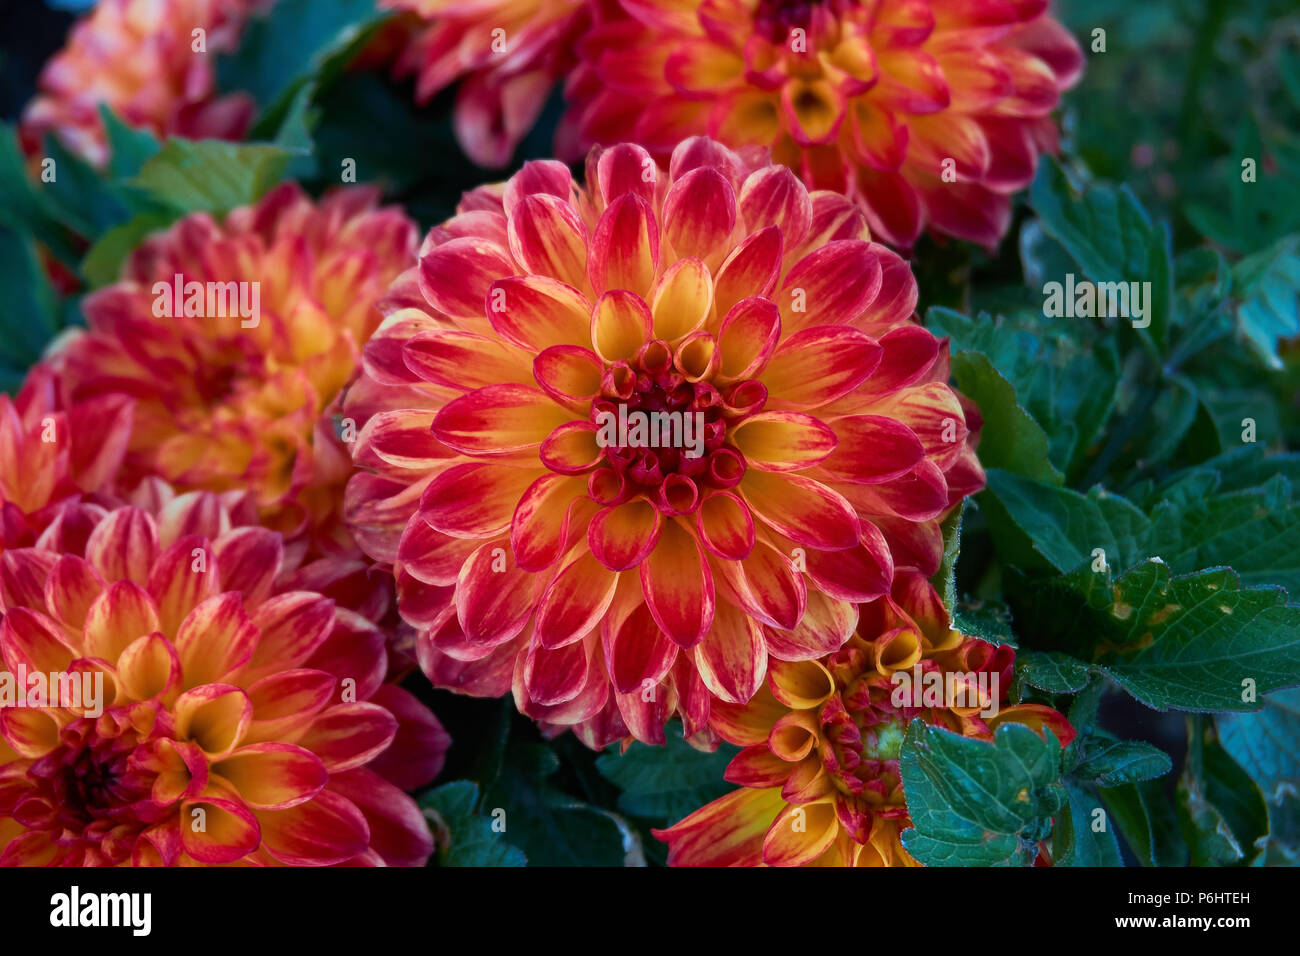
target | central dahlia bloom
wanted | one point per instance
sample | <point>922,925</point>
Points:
<point>819,772</point>
<point>868,97</point>
<point>224,402</point>
<point>609,577</point>
<point>238,719</point>
<point>138,58</point>
<point>507,54</point>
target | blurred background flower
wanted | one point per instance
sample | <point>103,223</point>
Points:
<point>869,99</point>
<point>52,453</point>
<point>243,721</point>
<point>151,63</point>
<point>225,401</point>
<point>505,55</point>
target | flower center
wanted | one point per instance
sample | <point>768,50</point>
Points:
<point>663,429</point>
<point>85,785</point>
<point>776,20</point>
<point>863,730</point>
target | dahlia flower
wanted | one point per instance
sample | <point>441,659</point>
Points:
<point>234,339</point>
<point>138,57</point>
<point>50,454</point>
<point>507,54</point>
<point>819,772</point>
<point>878,99</point>
<point>807,440</point>
<point>194,707</point>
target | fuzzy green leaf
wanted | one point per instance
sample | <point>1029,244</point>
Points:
<point>979,803</point>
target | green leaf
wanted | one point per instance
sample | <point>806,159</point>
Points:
<point>29,318</point>
<point>465,838</point>
<point>1052,671</point>
<point>664,784</point>
<point>1065,374</point>
<point>979,803</point>
<point>25,208</point>
<point>104,260</point>
<point>1192,526</point>
<point>988,620</point>
<point>298,43</point>
<point>1256,532</point>
<point>1010,439</point>
<point>1268,286</point>
<point>1111,237</point>
<point>1147,821</point>
<point>1075,842</point>
<point>83,199</point>
<point>210,175</point>
<point>1065,527</point>
<point>1220,810</point>
<point>1191,642</point>
<point>295,133</point>
<point>552,828</point>
<point>129,149</point>
<point>1267,744</point>
<point>1111,763</point>
<point>945,579</point>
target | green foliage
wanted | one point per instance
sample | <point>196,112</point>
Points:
<point>551,827</point>
<point>1220,810</point>
<point>1135,524</point>
<point>663,784</point>
<point>1267,745</point>
<point>1112,763</point>
<point>1111,237</point>
<point>209,175</point>
<point>1078,840</point>
<point>1147,821</point>
<point>465,837</point>
<point>296,45</point>
<point>30,314</point>
<point>979,803</point>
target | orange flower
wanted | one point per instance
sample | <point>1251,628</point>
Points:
<point>234,339</point>
<point>51,453</point>
<point>626,443</point>
<point>168,695</point>
<point>928,112</point>
<point>507,54</point>
<point>819,770</point>
<point>138,58</point>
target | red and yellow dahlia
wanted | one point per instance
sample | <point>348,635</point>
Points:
<point>819,772</point>
<point>507,55</point>
<point>234,340</point>
<point>51,453</point>
<point>611,580</point>
<point>143,60</point>
<point>195,707</point>
<point>878,99</point>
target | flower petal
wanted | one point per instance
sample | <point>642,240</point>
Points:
<point>625,247</point>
